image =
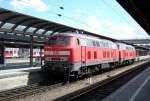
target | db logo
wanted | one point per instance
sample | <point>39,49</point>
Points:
<point>55,52</point>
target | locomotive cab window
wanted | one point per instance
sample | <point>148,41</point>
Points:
<point>52,41</point>
<point>63,40</point>
<point>59,41</point>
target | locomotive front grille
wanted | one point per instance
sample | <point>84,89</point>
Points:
<point>57,59</point>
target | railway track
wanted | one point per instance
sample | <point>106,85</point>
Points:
<point>25,91</point>
<point>100,90</point>
<point>46,83</point>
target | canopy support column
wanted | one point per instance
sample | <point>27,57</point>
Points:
<point>31,50</point>
<point>41,55</point>
<point>2,52</point>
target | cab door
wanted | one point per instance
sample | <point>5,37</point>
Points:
<point>82,43</point>
<point>83,55</point>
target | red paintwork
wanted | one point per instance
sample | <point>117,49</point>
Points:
<point>126,54</point>
<point>84,53</point>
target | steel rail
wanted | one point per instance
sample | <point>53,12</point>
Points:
<point>25,91</point>
<point>75,95</point>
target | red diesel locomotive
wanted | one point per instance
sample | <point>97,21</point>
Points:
<point>82,54</point>
<point>127,53</point>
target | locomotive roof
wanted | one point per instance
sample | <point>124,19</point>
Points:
<point>75,34</point>
<point>90,37</point>
<point>125,46</point>
<point>80,35</point>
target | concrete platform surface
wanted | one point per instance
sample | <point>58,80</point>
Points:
<point>18,77</point>
<point>20,71</point>
<point>137,89</point>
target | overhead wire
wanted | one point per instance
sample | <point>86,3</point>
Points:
<point>66,17</point>
<point>114,8</point>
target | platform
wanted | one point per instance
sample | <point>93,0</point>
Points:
<point>17,63</point>
<point>20,71</point>
<point>137,89</point>
<point>18,77</point>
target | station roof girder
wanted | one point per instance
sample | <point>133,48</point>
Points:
<point>138,41</point>
<point>10,22</point>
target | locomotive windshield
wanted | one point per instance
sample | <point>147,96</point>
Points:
<point>58,41</point>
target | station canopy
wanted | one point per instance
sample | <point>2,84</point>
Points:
<point>19,27</point>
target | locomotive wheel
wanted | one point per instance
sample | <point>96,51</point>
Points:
<point>76,75</point>
<point>89,71</point>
